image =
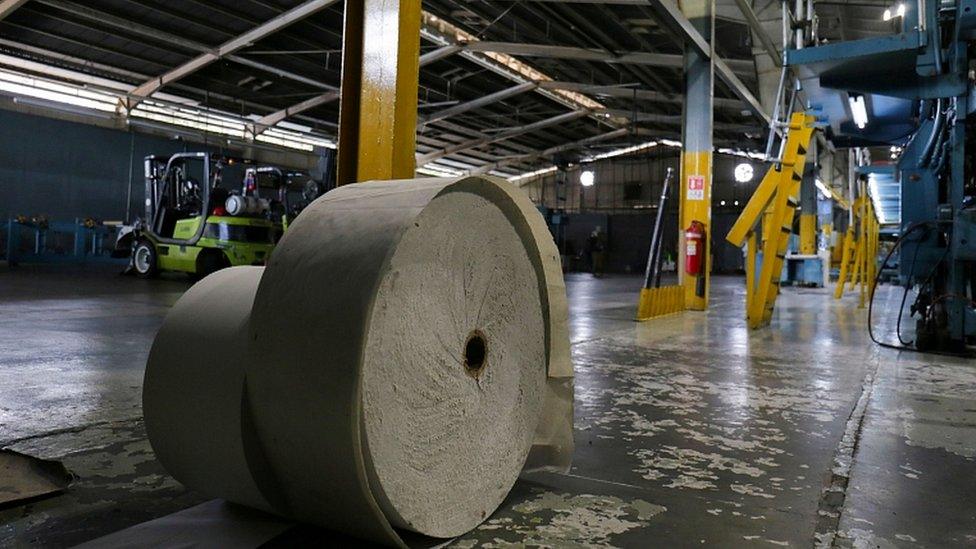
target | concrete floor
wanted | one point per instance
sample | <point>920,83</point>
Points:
<point>690,430</point>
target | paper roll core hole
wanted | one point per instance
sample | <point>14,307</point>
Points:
<point>475,353</point>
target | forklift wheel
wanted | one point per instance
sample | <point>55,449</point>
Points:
<point>210,261</point>
<point>144,259</point>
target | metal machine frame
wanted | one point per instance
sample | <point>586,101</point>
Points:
<point>916,84</point>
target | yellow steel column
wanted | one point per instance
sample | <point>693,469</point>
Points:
<point>751,245</point>
<point>808,233</point>
<point>378,109</point>
<point>808,206</point>
<point>862,247</point>
<point>696,154</point>
<point>845,262</point>
<point>872,255</point>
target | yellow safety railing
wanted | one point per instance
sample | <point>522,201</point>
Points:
<point>774,203</point>
<point>859,265</point>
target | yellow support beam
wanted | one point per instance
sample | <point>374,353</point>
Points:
<point>808,233</point>
<point>775,202</point>
<point>858,263</point>
<point>380,73</point>
<point>840,200</point>
<point>695,205</point>
<point>755,207</point>
<point>696,154</point>
<point>845,262</point>
<point>862,247</point>
<point>751,246</point>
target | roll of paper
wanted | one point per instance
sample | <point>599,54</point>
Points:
<point>406,348</point>
<point>194,385</point>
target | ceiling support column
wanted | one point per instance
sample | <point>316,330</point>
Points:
<point>380,76</point>
<point>696,154</point>
<point>808,209</point>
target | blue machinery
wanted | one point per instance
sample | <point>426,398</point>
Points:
<point>41,241</point>
<point>916,90</point>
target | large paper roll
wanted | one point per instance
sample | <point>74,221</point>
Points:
<point>194,384</point>
<point>416,367</point>
<point>405,339</point>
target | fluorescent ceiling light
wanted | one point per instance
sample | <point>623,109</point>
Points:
<point>536,173</point>
<point>105,98</point>
<point>875,199</point>
<point>634,149</point>
<point>858,110</point>
<point>823,188</point>
<point>436,170</point>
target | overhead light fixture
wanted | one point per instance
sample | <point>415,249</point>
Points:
<point>744,173</point>
<point>587,178</point>
<point>823,188</point>
<point>736,203</point>
<point>875,193</point>
<point>722,203</point>
<point>858,110</point>
<point>899,12</point>
<point>536,173</point>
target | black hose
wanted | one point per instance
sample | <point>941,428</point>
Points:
<point>941,151</point>
<point>877,280</point>
<point>927,150</point>
<point>904,298</point>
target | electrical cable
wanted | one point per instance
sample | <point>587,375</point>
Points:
<point>922,285</point>
<point>938,121</point>
<point>877,280</point>
<point>904,298</point>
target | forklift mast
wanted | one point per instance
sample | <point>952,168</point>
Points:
<point>172,194</point>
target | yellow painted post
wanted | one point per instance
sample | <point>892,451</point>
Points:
<point>380,72</point>
<point>696,198</point>
<point>808,233</point>
<point>872,255</point>
<point>856,272</point>
<point>862,248</point>
<point>808,207</point>
<point>696,155</point>
<point>827,230</point>
<point>868,263</point>
<point>845,262</point>
<point>751,244</point>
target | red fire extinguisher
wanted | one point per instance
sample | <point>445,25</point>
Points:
<point>694,248</point>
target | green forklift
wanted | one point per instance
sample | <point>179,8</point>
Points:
<point>197,223</point>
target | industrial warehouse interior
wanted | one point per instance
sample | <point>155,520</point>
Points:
<point>487,273</point>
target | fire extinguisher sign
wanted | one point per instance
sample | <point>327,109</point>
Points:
<point>696,187</point>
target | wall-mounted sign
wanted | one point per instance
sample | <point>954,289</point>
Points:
<point>696,187</point>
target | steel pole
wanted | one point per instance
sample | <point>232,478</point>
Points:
<point>652,273</point>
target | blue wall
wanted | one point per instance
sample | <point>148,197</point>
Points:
<point>66,170</point>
